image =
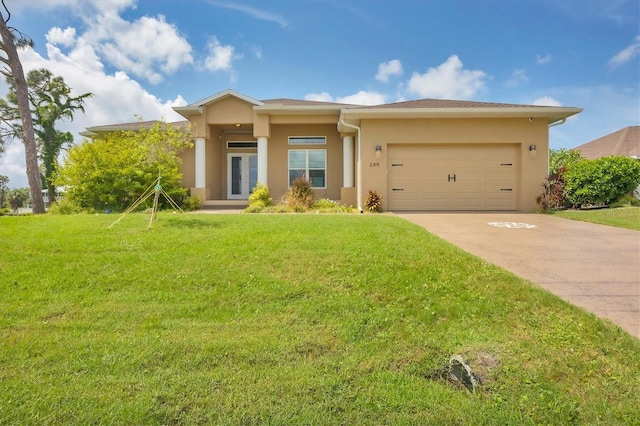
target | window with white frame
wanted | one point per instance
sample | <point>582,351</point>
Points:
<point>310,164</point>
<point>307,140</point>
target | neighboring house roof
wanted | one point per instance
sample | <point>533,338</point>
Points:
<point>624,142</point>
<point>136,125</point>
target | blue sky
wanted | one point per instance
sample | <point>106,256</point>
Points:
<point>141,57</point>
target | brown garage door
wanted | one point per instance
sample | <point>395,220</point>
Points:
<point>452,177</point>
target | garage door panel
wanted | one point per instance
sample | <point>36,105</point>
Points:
<point>453,177</point>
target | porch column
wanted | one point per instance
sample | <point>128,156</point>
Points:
<point>262,160</point>
<point>200,163</point>
<point>347,161</point>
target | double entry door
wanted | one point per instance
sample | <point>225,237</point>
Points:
<point>242,175</point>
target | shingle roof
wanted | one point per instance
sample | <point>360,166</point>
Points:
<point>448,103</point>
<point>300,102</point>
<point>624,142</point>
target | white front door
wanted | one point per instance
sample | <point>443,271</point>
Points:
<point>242,175</point>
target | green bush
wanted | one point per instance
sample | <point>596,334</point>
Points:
<point>626,201</point>
<point>260,196</point>
<point>64,206</point>
<point>192,203</point>
<point>326,205</point>
<point>601,181</point>
<point>300,196</point>
<point>373,202</point>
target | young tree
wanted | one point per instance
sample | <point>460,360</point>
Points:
<point>113,171</point>
<point>11,40</point>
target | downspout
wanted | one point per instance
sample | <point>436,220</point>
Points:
<point>550,125</point>
<point>358,165</point>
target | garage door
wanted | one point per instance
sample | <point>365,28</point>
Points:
<point>458,177</point>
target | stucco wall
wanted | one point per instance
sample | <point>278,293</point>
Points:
<point>278,157</point>
<point>520,131</point>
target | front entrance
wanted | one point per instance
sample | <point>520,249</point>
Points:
<point>242,175</point>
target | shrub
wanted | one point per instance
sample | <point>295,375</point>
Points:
<point>192,203</point>
<point>601,181</point>
<point>562,159</point>
<point>64,206</point>
<point>326,205</point>
<point>373,202</point>
<point>260,196</point>
<point>554,195</point>
<point>300,195</point>
<point>626,201</point>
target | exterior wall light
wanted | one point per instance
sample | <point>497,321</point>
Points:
<point>532,151</point>
<point>378,151</point>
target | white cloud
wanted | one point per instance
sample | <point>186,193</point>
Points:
<point>387,69</point>
<point>66,37</point>
<point>140,47</point>
<point>518,77</point>
<point>547,101</point>
<point>220,57</point>
<point>363,98</point>
<point>319,97</point>
<point>626,54</point>
<point>253,12</point>
<point>541,60</point>
<point>448,80</point>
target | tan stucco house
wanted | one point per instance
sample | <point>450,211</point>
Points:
<point>428,154</point>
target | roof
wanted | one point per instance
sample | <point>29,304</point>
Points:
<point>624,142</point>
<point>136,125</point>
<point>446,108</point>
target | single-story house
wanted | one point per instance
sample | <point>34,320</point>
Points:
<point>428,154</point>
<point>624,142</point>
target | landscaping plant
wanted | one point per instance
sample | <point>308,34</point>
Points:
<point>300,195</point>
<point>373,202</point>
<point>601,181</point>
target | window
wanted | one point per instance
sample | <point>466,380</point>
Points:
<point>307,140</point>
<point>239,145</point>
<point>310,164</point>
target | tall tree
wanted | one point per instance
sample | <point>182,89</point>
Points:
<point>52,101</point>
<point>11,40</point>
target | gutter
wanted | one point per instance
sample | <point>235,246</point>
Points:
<point>558,122</point>
<point>358,164</point>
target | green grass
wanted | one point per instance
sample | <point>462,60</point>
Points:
<point>288,319</point>
<point>621,217</point>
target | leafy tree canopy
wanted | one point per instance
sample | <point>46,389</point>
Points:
<point>113,171</point>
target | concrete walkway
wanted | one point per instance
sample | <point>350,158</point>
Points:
<point>595,267</point>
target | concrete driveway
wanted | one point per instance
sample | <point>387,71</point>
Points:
<point>595,267</point>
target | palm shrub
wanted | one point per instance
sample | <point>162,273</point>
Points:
<point>373,202</point>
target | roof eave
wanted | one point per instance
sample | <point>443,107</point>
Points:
<point>297,109</point>
<point>552,114</point>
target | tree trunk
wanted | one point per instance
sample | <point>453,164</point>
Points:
<point>30,148</point>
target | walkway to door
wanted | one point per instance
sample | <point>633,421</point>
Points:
<point>595,267</point>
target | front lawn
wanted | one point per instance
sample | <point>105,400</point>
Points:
<point>621,217</point>
<point>288,319</point>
